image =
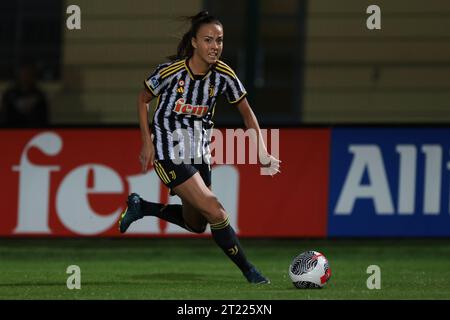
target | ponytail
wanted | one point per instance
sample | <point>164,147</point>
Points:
<point>185,49</point>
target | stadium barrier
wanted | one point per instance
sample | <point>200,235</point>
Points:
<point>340,182</point>
<point>390,182</point>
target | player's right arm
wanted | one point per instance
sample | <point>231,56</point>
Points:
<point>153,86</point>
<point>147,150</point>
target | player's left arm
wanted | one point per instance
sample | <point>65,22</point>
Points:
<point>251,122</point>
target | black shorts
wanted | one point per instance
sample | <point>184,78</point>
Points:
<point>172,174</point>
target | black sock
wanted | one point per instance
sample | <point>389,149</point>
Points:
<point>150,208</point>
<point>172,213</point>
<point>225,237</point>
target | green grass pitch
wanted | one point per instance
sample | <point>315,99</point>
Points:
<point>197,269</point>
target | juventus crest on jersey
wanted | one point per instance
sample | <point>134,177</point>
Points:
<point>182,122</point>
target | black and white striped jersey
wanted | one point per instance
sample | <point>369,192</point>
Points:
<point>185,107</point>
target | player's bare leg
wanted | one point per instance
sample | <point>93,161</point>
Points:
<point>200,206</point>
<point>193,218</point>
<point>195,193</point>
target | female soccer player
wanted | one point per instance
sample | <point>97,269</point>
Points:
<point>187,89</point>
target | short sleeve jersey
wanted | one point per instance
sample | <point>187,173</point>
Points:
<point>182,121</point>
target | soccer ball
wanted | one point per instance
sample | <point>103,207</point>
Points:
<point>309,269</point>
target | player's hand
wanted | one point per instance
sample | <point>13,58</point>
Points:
<point>269,165</point>
<point>147,155</point>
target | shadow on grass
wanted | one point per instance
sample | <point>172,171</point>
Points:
<point>62,284</point>
<point>169,277</point>
<point>137,279</point>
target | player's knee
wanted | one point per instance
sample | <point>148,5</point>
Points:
<point>213,210</point>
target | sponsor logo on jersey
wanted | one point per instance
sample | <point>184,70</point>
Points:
<point>182,108</point>
<point>180,86</point>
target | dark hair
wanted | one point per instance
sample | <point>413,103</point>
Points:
<point>185,49</point>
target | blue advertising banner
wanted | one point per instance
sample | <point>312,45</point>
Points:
<point>389,182</point>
